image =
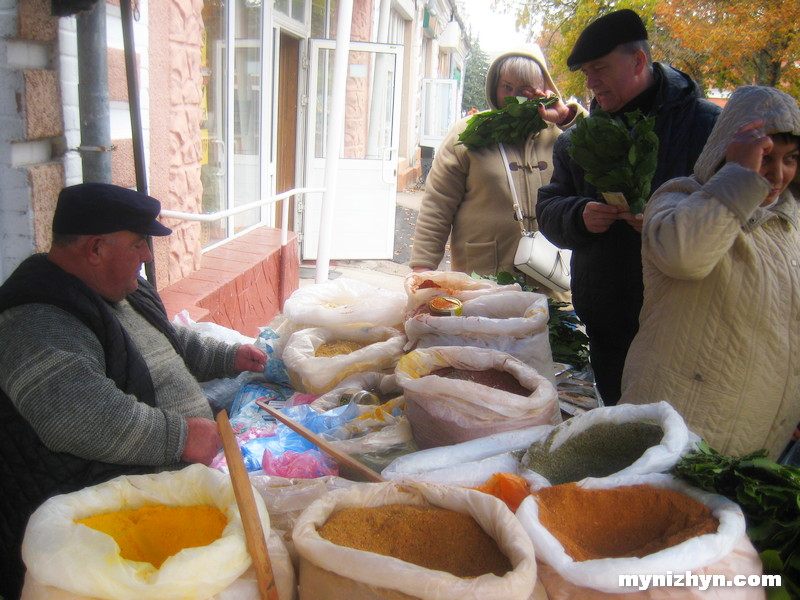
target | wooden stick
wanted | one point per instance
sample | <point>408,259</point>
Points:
<point>253,532</point>
<point>322,444</point>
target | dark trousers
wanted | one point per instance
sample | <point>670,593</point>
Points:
<point>607,354</point>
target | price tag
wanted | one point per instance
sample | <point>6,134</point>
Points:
<point>616,199</point>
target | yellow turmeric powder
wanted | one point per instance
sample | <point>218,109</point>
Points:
<point>154,533</point>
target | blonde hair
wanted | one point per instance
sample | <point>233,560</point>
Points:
<point>523,68</point>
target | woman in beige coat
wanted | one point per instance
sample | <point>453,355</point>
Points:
<point>719,334</point>
<point>467,194</point>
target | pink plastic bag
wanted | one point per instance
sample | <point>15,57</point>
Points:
<point>299,465</point>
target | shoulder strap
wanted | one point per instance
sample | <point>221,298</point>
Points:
<point>514,197</point>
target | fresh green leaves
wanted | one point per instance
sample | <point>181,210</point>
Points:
<point>509,125</point>
<point>769,495</point>
<point>617,156</point>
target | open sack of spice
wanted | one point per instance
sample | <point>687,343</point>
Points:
<point>422,287</point>
<point>459,393</point>
<point>588,535</point>
<point>412,540</point>
<point>169,535</point>
<point>340,301</point>
<point>510,321</point>
<point>318,358</point>
<point>625,439</point>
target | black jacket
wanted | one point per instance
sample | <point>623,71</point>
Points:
<point>607,268</point>
<point>30,473</point>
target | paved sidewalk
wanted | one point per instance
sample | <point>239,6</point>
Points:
<point>387,274</point>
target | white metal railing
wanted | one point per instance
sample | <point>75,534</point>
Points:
<point>229,212</point>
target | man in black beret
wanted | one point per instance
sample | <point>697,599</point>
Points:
<point>613,53</point>
<point>95,382</point>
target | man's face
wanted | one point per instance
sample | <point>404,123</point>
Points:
<point>616,78</point>
<point>120,256</point>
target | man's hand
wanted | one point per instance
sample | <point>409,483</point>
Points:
<point>250,358</point>
<point>635,221</point>
<point>202,441</point>
<point>598,217</point>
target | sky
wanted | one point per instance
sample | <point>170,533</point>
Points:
<point>494,29</point>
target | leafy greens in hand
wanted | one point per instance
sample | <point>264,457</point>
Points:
<point>509,125</point>
<point>617,156</point>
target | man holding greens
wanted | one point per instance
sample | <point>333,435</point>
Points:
<point>605,236</point>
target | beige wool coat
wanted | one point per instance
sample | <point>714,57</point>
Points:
<point>719,334</point>
<point>467,192</point>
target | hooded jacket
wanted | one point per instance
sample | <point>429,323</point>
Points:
<point>467,194</point>
<point>720,325</point>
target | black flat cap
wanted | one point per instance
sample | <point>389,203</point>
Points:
<point>98,208</point>
<point>604,34</point>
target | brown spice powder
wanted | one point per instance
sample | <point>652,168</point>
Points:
<point>493,378</point>
<point>627,521</point>
<point>337,348</point>
<point>428,536</point>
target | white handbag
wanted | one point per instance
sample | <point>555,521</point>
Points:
<point>537,256</point>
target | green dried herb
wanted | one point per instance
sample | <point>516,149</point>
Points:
<point>617,156</point>
<point>769,495</point>
<point>509,125</point>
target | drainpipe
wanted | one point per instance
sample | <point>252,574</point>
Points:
<point>95,146</point>
<point>136,117</point>
<point>335,136</point>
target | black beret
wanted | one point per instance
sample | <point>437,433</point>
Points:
<point>98,208</point>
<point>604,34</point>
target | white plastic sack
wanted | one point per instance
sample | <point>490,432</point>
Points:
<point>344,301</point>
<point>510,321</point>
<point>445,411</point>
<point>318,374</point>
<point>468,464</point>
<point>660,458</point>
<point>421,287</point>
<point>212,330</point>
<point>727,552</point>
<point>67,560</point>
<point>372,381</point>
<point>330,571</point>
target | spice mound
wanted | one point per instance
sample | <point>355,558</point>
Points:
<point>427,536</point>
<point>627,521</point>
<point>154,533</point>
<point>492,378</point>
<point>338,347</point>
<point>599,451</point>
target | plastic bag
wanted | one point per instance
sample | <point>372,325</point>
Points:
<point>381,384</point>
<point>421,287</point>
<point>63,557</point>
<point>726,552</point>
<point>318,374</point>
<point>344,301</point>
<point>445,411</point>
<point>660,458</point>
<point>329,571</point>
<point>469,463</point>
<point>299,465</point>
<point>514,322</point>
<point>212,330</point>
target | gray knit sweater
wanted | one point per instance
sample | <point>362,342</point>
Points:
<point>53,368</point>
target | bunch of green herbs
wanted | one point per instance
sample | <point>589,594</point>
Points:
<point>618,155</point>
<point>769,495</point>
<point>510,125</point>
<point>568,342</point>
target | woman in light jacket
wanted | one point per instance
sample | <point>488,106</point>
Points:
<point>719,334</point>
<point>467,194</point>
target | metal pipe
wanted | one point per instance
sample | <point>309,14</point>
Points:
<point>94,111</point>
<point>134,108</point>
<point>333,148</point>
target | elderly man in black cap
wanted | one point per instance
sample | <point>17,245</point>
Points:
<point>94,380</point>
<point>614,55</point>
